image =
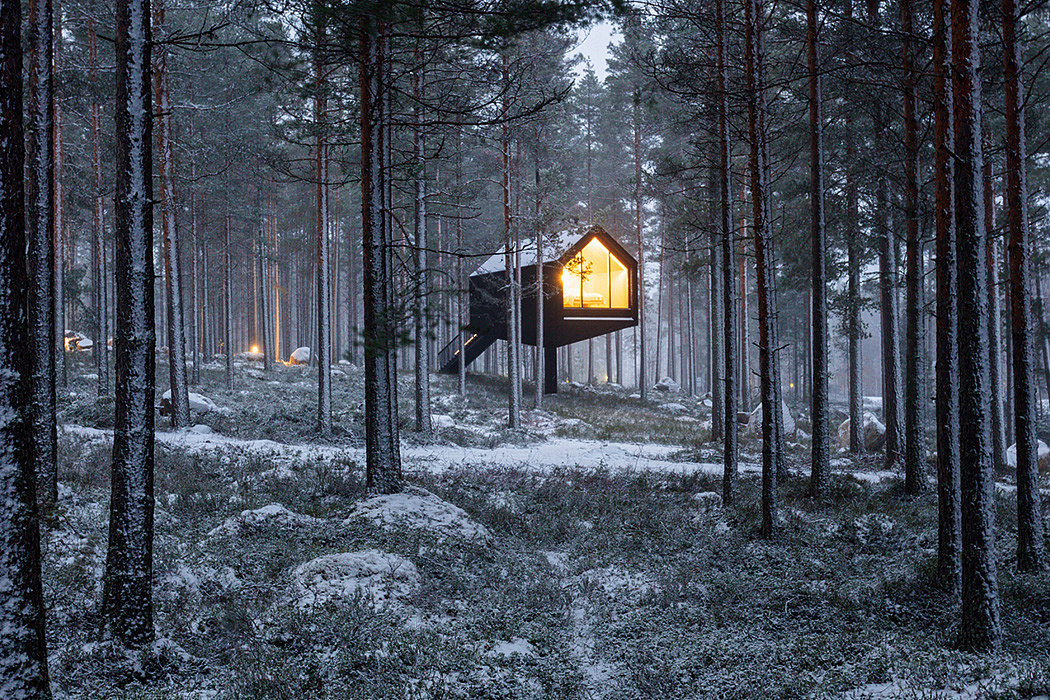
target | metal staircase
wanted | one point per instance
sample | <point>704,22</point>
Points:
<point>473,346</point>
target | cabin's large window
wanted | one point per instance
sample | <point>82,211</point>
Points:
<point>595,279</point>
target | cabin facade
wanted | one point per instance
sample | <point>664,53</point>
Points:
<point>590,288</point>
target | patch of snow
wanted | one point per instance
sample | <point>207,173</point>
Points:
<point>379,577</point>
<point>274,516</point>
<point>300,356</point>
<point>198,402</point>
<point>1043,455</point>
<point>754,423</point>
<point>201,429</point>
<point>419,509</point>
<point>441,420</point>
<point>516,646</point>
<point>667,385</point>
<point>674,407</point>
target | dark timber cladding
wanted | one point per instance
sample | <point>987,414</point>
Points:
<point>589,289</point>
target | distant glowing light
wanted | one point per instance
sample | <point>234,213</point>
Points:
<point>255,350</point>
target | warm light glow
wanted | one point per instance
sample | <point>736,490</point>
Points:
<point>255,349</point>
<point>594,278</point>
<point>791,385</point>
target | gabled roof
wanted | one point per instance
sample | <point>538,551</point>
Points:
<point>554,247</point>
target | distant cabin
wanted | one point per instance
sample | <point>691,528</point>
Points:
<point>590,287</point>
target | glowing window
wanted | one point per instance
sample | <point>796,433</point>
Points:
<point>595,279</point>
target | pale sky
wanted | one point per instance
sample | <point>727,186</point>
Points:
<point>594,44</point>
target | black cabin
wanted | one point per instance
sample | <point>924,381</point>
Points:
<point>590,288</point>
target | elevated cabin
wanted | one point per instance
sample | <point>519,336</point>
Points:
<point>589,289</point>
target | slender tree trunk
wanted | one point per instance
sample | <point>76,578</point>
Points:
<point>40,198</point>
<point>513,305</point>
<point>914,433</point>
<point>716,323</point>
<point>636,112</point>
<point>127,596</point>
<point>227,289</point>
<point>821,447</point>
<point>324,281</point>
<point>61,318</point>
<point>100,302</point>
<point>979,628</point>
<point>756,106</point>
<point>423,423</point>
<point>1031,547</point>
<point>994,320</point>
<point>947,380</point>
<point>725,191</point>
<point>23,661</point>
<point>462,292</point>
<point>382,448</point>
<point>180,400</point>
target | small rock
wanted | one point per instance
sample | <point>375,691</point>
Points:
<point>668,385</point>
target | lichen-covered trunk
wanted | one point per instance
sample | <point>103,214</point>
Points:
<point>382,448</point>
<point>1031,552</point>
<point>422,279</point>
<point>914,432</point>
<point>821,447</point>
<point>763,260</point>
<point>979,629</point>
<point>725,206</point>
<point>180,400</point>
<point>40,222</point>
<point>947,369</point>
<point>716,323</point>
<point>23,653</point>
<point>127,600</point>
<point>324,282</point>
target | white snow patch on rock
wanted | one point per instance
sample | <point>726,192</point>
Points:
<point>674,407</point>
<point>668,385</point>
<point>379,577</point>
<point>1043,456</point>
<point>300,356</point>
<point>420,509</point>
<point>754,423</point>
<point>441,420</point>
<point>273,516</point>
<point>201,429</point>
<point>198,402</point>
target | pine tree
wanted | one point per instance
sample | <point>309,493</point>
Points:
<point>127,597</point>
<point>980,628</point>
<point>23,652</point>
<point>1031,552</point>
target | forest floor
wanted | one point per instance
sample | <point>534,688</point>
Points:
<point>586,556</point>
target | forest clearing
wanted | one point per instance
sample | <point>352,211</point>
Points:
<point>581,349</point>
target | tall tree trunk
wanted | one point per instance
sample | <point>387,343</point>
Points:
<point>636,125</point>
<point>855,329</point>
<point>227,291</point>
<point>979,629</point>
<point>100,301</point>
<point>421,282</point>
<point>40,198</point>
<point>947,380</point>
<point>725,192</point>
<point>462,293</point>
<point>716,323</point>
<point>821,447</point>
<point>127,595</point>
<point>1031,547</point>
<point>914,433</point>
<point>994,320</point>
<point>513,304</point>
<point>756,106</point>
<point>62,321</point>
<point>180,400</point>
<point>23,662</point>
<point>324,281</point>
<point>382,448</point>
